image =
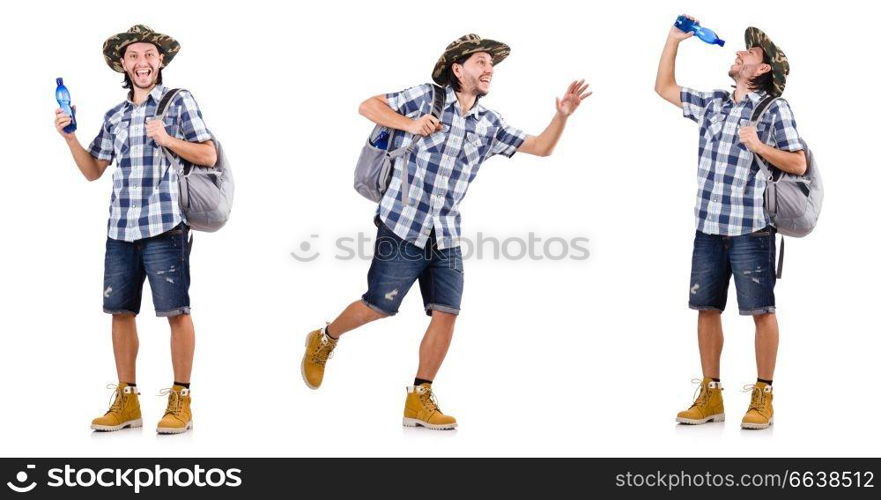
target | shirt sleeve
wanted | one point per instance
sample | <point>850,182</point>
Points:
<point>695,103</point>
<point>102,146</point>
<point>191,122</point>
<point>507,139</point>
<point>410,102</point>
<point>786,136</point>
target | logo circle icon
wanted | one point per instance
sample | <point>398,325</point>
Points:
<point>21,477</point>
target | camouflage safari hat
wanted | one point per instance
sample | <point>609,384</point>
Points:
<point>115,46</point>
<point>779,63</point>
<point>465,46</point>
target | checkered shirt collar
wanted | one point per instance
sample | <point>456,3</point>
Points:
<point>155,94</point>
<point>453,102</point>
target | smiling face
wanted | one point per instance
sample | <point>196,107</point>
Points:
<point>748,64</point>
<point>142,62</point>
<point>475,74</point>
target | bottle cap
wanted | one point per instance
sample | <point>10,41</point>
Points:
<point>720,42</point>
<point>59,81</point>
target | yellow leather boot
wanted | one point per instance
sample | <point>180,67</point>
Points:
<point>178,417</point>
<point>318,350</point>
<point>707,406</point>
<point>420,410</point>
<point>760,414</point>
<point>125,410</point>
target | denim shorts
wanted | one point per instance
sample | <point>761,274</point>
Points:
<point>750,258</point>
<point>164,259</point>
<point>397,264</point>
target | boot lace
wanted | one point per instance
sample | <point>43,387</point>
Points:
<point>701,396</point>
<point>758,399</point>
<point>175,402</point>
<point>117,399</point>
<point>323,351</point>
<point>429,400</point>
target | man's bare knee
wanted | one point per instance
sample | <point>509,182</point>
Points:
<point>179,320</point>
<point>443,318</point>
<point>358,314</point>
<point>366,314</point>
<point>765,322</point>
<point>764,318</point>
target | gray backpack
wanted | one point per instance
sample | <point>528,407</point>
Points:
<point>793,202</point>
<point>206,193</point>
<point>373,173</point>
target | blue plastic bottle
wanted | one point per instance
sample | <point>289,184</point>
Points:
<point>381,140</point>
<point>63,98</point>
<point>706,34</point>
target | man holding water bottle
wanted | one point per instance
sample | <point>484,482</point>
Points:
<point>147,232</point>
<point>734,235</point>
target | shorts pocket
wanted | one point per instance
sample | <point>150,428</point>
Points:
<point>761,239</point>
<point>454,260</point>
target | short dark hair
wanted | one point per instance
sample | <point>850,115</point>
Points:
<point>451,76</point>
<point>765,81</point>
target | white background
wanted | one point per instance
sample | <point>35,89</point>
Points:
<point>569,358</point>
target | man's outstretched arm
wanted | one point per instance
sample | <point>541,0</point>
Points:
<point>544,143</point>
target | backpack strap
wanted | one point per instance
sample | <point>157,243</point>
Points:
<point>159,115</point>
<point>763,106</point>
<point>173,162</point>
<point>771,200</point>
<point>438,99</point>
<point>760,110</point>
<point>780,259</point>
<point>165,101</point>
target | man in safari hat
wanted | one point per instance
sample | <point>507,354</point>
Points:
<point>147,234</point>
<point>734,235</point>
<point>418,237</point>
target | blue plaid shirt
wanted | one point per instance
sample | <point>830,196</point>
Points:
<point>443,165</point>
<point>144,202</point>
<point>730,196</point>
